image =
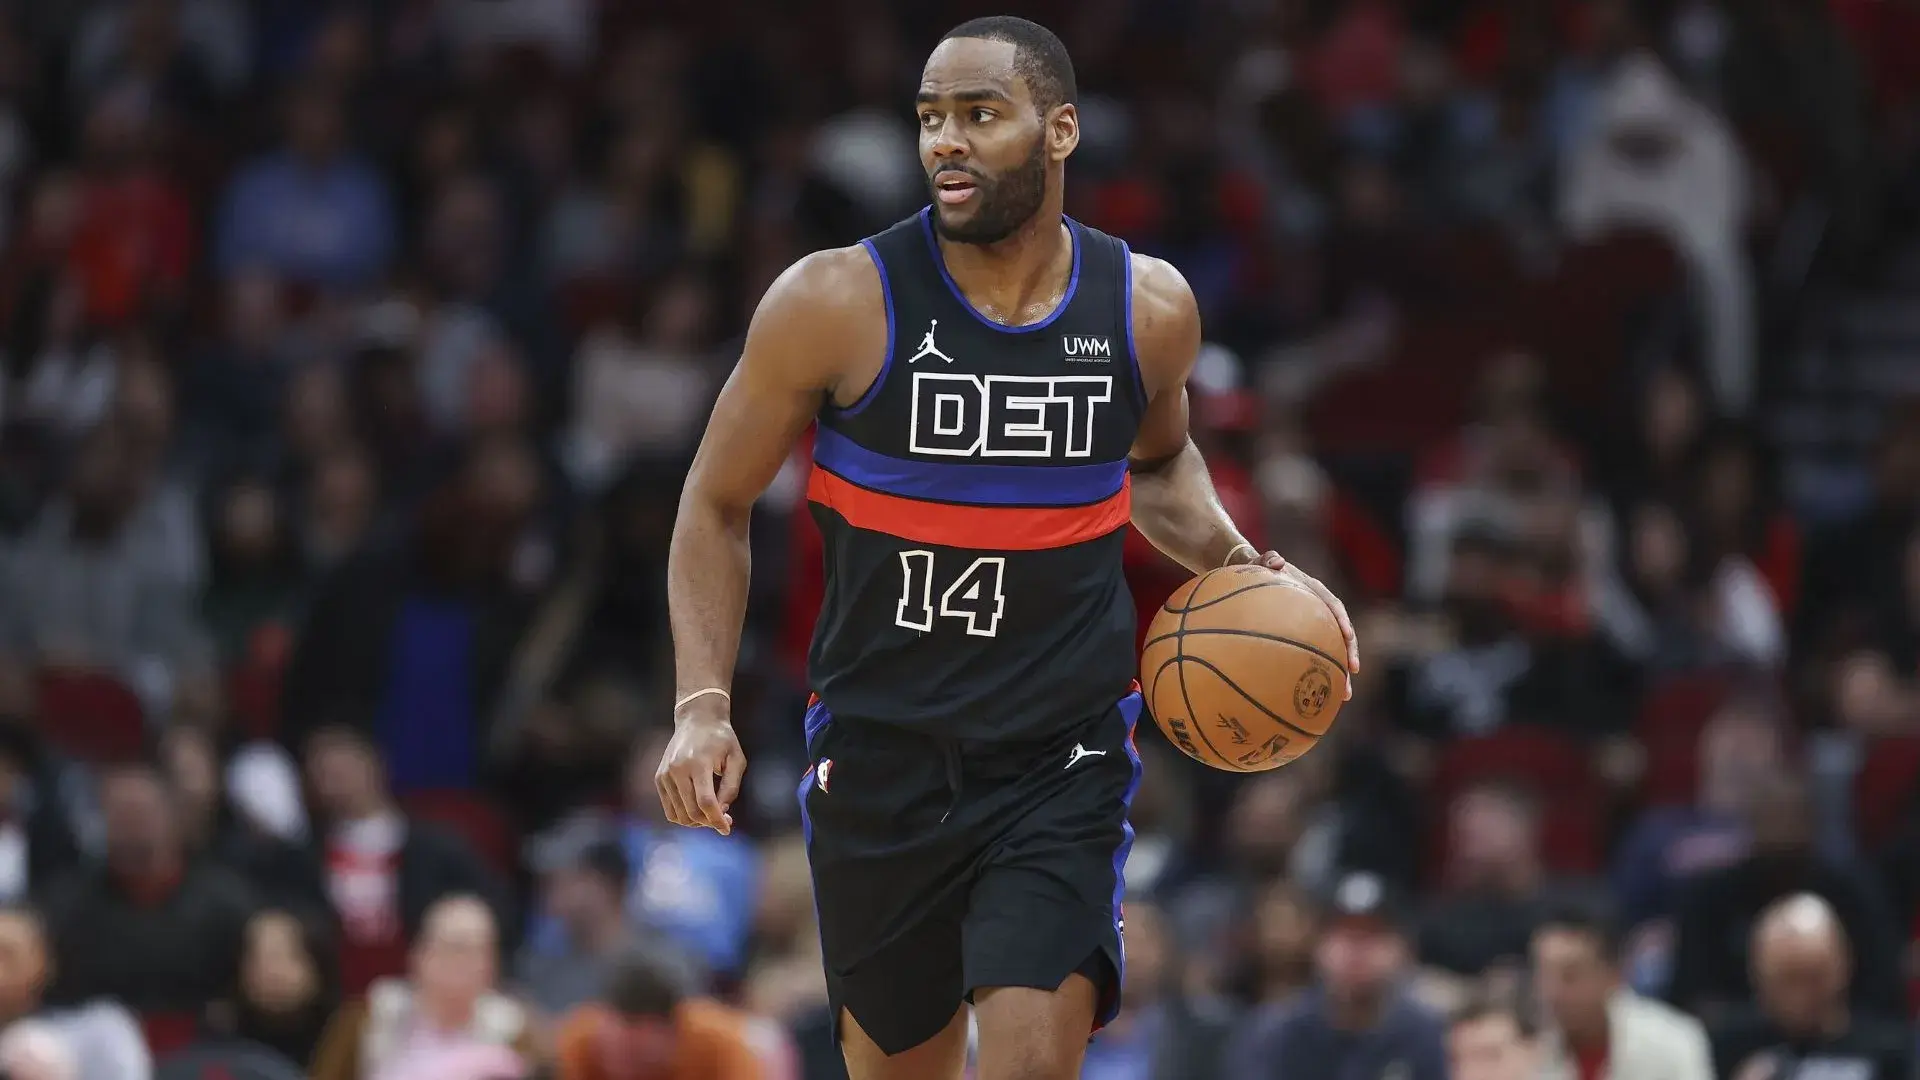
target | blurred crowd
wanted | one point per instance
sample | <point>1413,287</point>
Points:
<point>352,354</point>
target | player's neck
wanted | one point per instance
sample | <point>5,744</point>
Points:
<point>1013,275</point>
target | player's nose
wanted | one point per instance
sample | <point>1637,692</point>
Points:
<point>946,144</point>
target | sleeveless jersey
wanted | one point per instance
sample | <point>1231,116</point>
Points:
<point>973,504</point>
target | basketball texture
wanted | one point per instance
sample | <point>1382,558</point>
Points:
<point>1243,669</point>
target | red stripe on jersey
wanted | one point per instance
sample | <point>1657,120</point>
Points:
<point>988,528</point>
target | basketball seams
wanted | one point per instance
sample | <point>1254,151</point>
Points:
<point>1179,655</point>
<point>1235,687</point>
<point>1277,639</point>
<point>1182,611</point>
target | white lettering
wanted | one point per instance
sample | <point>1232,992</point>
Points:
<point>1087,346</point>
<point>1005,416</point>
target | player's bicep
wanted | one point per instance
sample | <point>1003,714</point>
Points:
<point>1166,342</point>
<point>1163,428</point>
<point>756,420</point>
<point>812,320</point>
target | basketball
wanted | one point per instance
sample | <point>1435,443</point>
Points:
<point>1243,669</point>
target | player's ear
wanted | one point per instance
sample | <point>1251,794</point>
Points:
<point>1063,130</point>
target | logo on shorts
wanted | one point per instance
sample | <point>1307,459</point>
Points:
<point>821,772</point>
<point>1078,752</point>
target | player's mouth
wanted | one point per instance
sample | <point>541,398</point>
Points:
<point>953,188</point>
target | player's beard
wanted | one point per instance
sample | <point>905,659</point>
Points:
<point>1003,204</point>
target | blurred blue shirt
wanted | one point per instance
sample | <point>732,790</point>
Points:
<point>692,887</point>
<point>695,887</point>
<point>331,225</point>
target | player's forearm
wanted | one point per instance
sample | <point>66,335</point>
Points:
<point>1176,508</point>
<point>707,574</point>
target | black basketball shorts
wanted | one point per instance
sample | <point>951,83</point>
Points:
<point>942,867</point>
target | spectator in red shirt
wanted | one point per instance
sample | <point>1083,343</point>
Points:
<point>135,242</point>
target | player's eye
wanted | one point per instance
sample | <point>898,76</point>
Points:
<point>980,116</point>
<point>929,120</point>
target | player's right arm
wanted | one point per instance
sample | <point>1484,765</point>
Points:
<point>818,334</point>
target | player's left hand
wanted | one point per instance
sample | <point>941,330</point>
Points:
<point>1273,561</point>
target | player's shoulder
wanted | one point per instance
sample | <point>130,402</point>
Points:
<point>819,320</point>
<point>1166,318</point>
<point>831,283</point>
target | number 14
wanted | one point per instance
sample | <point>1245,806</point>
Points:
<point>975,595</point>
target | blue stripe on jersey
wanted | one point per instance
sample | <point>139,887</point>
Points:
<point>975,484</point>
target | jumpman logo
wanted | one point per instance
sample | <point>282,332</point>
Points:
<point>1080,752</point>
<point>928,348</point>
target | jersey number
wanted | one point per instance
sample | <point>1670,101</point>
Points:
<point>975,595</point>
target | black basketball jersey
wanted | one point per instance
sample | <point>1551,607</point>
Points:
<point>974,502</point>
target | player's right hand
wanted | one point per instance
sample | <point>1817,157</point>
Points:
<point>703,748</point>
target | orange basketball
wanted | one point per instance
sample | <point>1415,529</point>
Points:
<point>1243,669</point>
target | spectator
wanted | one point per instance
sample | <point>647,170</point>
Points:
<point>1741,749</point>
<point>635,386</point>
<point>102,1036</point>
<point>1268,825</point>
<point>150,925</point>
<point>135,240</point>
<point>787,982</point>
<point>34,823</point>
<point>1285,927</point>
<point>1656,158</point>
<point>1596,1026</point>
<point>1162,1033</point>
<point>584,878</point>
<point>313,214</point>
<point>251,598</point>
<point>287,990</point>
<point>1496,885</point>
<point>1489,672</point>
<point>381,872</point>
<point>234,388</point>
<point>1690,610</point>
<point>1855,564</point>
<point>445,1009</point>
<point>1359,1011</point>
<point>647,1026</point>
<point>94,586</point>
<point>412,644</point>
<point>1711,963</point>
<point>1804,1024</point>
<point>1877,688</point>
<point>32,1051</point>
<point>337,509</point>
<point>694,886</point>
<point>1487,1040</point>
<point>212,828</point>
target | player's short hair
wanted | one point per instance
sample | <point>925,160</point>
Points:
<point>1041,59</point>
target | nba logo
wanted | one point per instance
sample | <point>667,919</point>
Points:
<point>820,774</point>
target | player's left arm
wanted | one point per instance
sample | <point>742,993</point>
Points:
<point>1174,503</point>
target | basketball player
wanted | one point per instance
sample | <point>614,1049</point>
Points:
<point>999,390</point>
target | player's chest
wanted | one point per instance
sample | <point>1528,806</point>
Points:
<point>972,393</point>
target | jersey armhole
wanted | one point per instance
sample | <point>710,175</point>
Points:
<point>1126,317</point>
<point>886,363</point>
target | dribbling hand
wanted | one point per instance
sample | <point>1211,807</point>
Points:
<point>704,748</point>
<point>1272,560</point>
